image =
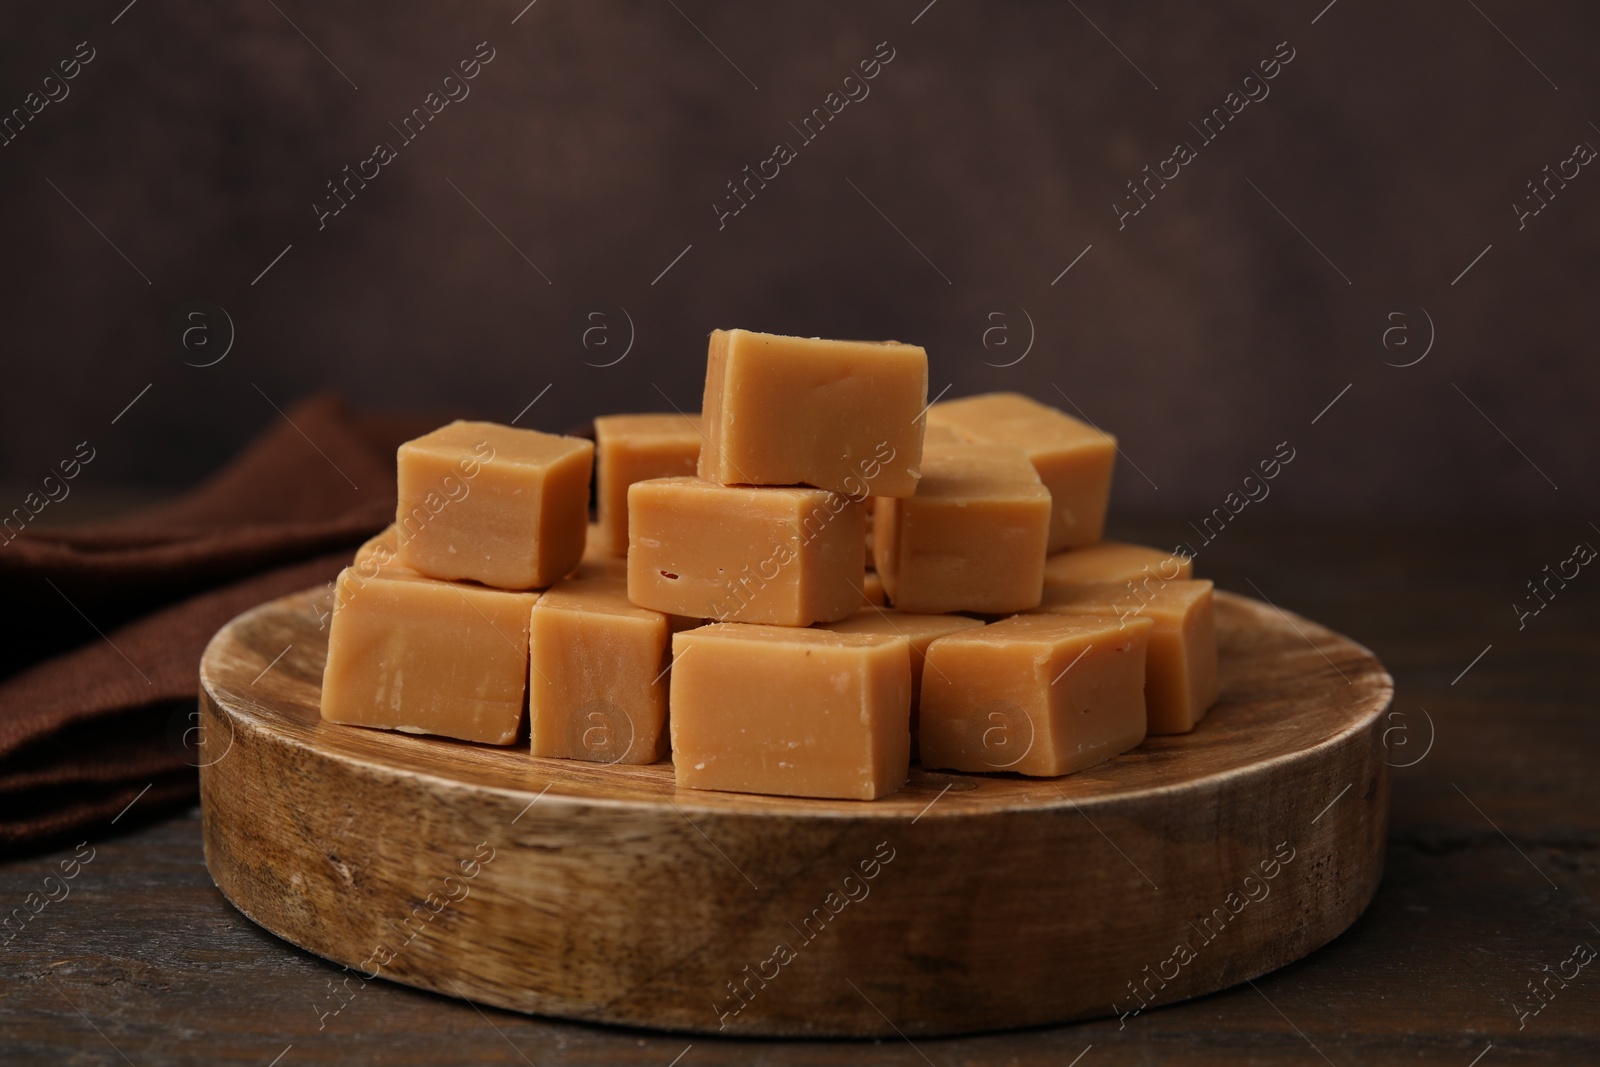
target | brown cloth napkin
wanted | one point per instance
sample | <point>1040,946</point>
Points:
<point>110,619</point>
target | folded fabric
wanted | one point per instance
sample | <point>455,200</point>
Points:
<point>119,612</point>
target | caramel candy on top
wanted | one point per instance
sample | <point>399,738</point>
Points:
<point>494,504</point>
<point>840,415</point>
<point>790,711</point>
<point>1074,459</point>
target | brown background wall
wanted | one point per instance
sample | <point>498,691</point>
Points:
<point>995,142</point>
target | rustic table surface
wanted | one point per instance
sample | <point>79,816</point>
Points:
<point>1469,954</point>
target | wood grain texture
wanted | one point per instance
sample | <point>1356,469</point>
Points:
<point>611,896</point>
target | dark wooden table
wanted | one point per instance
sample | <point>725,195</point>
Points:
<point>1492,874</point>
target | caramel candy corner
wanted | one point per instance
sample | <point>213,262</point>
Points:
<point>1114,561</point>
<point>786,556</point>
<point>494,504</point>
<point>424,656</point>
<point>1075,460</point>
<point>1033,696</point>
<point>920,630</point>
<point>379,555</point>
<point>1181,672</point>
<point>872,591</point>
<point>597,675</point>
<point>971,539</point>
<point>383,548</point>
<point>790,711</point>
<point>840,415</point>
<point>634,448</point>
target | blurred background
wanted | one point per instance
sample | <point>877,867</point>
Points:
<point>1344,267</point>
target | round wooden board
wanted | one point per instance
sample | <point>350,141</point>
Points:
<point>960,903</point>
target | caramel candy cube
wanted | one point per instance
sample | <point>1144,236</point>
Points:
<point>494,504</point>
<point>633,448</point>
<point>427,657</point>
<point>1041,695</point>
<point>597,686</point>
<point>1074,459</point>
<point>1114,561</point>
<point>1181,671</point>
<point>788,556</point>
<point>972,539</point>
<point>789,711</point>
<point>840,415</point>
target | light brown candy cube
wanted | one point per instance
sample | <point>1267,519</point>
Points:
<point>790,711</point>
<point>597,687</point>
<point>787,556</point>
<point>425,656</point>
<point>973,537</point>
<point>840,415</point>
<point>493,504</point>
<point>1039,695</point>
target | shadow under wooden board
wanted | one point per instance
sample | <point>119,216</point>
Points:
<point>960,903</point>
